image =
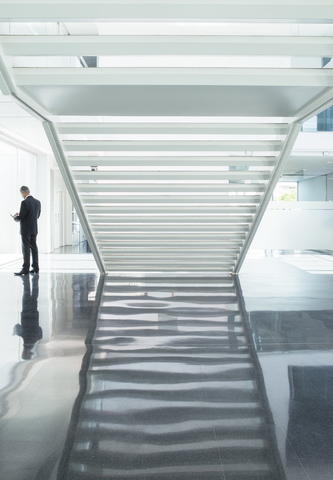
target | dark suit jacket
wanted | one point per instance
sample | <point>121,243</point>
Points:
<point>29,213</point>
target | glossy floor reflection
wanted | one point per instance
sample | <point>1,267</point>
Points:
<point>44,324</point>
<point>186,377</point>
<point>290,314</point>
<point>172,389</point>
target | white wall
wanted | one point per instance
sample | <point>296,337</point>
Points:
<point>17,168</point>
<point>296,226</point>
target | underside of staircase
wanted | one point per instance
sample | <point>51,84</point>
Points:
<point>171,205</point>
<point>172,147</point>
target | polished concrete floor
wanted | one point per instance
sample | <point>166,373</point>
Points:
<point>158,377</point>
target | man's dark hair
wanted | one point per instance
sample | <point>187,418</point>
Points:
<point>24,189</point>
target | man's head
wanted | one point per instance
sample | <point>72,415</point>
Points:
<point>24,191</point>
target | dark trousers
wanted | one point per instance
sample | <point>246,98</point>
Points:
<point>29,245</point>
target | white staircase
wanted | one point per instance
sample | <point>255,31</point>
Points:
<point>174,204</point>
<point>171,147</point>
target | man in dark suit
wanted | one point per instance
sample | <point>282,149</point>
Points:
<point>29,213</point>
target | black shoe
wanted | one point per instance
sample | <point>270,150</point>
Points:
<point>22,272</point>
<point>34,271</point>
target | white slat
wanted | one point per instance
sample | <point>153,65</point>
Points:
<point>169,210</point>
<point>79,45</point>
<point>176,176</point>
<point>179,188</point>
<point>163,200</point>
<point>174,161</point>
<point>172,145</point>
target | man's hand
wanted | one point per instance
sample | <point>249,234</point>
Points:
<point>13,216</point>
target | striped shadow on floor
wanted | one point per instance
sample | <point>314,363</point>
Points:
<point>170,387</point>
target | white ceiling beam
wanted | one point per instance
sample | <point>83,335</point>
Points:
<point>167,200</point>
<point>295,11</point>
<point>183,252</point>
<point>196,248</point>
<point>168,267</point>
<point>170,220</point>
<point>171,176</point>
<point>122,128</point>
<point>174,263</point>
<point>168,243</point>
<point>62,76</point>
<point>171,145</point>
<point>122,238</point>
<point>80,45</point>
<point>167,162</point>
<point>167,188</point>
<point>171,253</point>
<point>166,229</point>
<point>181,258</point>
<point>170,210</point>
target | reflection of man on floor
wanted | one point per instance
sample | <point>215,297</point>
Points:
<point>29,328</point>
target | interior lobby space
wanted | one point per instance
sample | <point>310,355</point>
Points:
<point>179,322</point>
<point>186,376</point>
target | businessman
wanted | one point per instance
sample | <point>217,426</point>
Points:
<point>28,216</point>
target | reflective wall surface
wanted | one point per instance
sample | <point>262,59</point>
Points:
<point>162,377</point>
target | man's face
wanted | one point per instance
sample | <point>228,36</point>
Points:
<point>24,194</point>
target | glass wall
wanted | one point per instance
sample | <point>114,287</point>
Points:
<point>320,123</point>
<point>317,189</point>
<point>286,192</point>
